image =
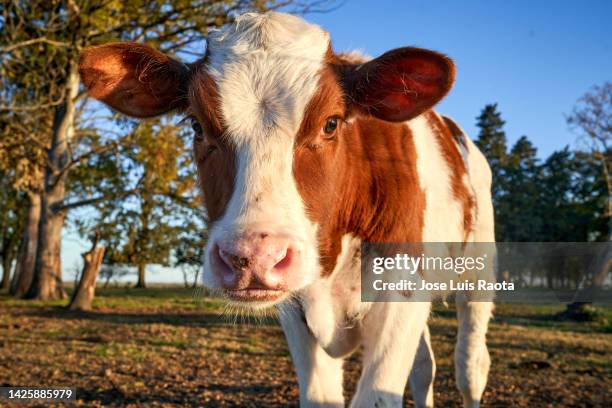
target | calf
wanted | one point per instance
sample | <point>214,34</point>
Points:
<point>303,154</point>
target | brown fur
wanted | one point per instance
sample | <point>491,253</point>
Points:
<point>214,154</point>
<point>364,181</point>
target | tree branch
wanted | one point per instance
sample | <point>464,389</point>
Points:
<point>100,150</point>
<point>99,199</point>
<point>30,108</point>
<point>32,41</point>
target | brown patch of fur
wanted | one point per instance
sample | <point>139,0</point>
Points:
<point>214,155</point>
<point>455,130</point>
<point>363,182</point>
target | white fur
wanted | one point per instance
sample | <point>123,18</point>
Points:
<point>319,374</point>
<point>480,178</point>
<point>472,359</point>
<point>443,213</point>
<point>266,67</point>
<point>391,334</point>
<point>333,306</point>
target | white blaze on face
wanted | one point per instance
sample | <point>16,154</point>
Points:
<point>266,67</point>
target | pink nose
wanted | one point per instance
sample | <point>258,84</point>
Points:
<point>254,261</point>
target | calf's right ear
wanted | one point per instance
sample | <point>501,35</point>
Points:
<point>134,79</point>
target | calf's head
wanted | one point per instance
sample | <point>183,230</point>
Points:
<point>274,112</point>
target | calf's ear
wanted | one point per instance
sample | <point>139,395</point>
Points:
<point>134,79</point>
<point>400,84</point>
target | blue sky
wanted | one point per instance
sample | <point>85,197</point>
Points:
<point>534,58</point>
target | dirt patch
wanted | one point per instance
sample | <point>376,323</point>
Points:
<point>154,351</point>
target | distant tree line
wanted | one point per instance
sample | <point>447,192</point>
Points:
<point>562,197</point>
<point>565,197</point>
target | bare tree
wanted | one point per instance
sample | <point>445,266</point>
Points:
<point>592,120</point>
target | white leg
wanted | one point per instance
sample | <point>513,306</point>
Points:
<point>319,375</point>
<point>423,372</point>
<point>391,335</point>
<point>472,359</point>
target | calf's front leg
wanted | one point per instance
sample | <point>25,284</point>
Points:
<point>319,375</point>
<point>391,335</point>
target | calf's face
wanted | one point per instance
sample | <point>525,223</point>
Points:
<point>272,110</point>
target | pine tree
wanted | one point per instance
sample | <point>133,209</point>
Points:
<point>492,142</point>
<point>522,220</point>
<point>492,138</point>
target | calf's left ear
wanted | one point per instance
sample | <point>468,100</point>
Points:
<point>134,79</point>
<point>400,84</point>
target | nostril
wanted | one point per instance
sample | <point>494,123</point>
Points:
<point>234,262</point>
<point>285,262</point>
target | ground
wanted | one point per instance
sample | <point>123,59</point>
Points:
<point>174,347</point>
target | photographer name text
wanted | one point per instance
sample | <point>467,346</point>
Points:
<point>404,284</point>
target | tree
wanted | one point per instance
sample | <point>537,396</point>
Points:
<point>492,142</point>
<point>146,227</point>
<point>492,138</point>
<point>555,197</point>
<point>11,218</point>
<point>592,119</point>
<point>189,250</point>
<point>24,271</point>
<point>23,143</point>
<point>521,218</point>
<point>46,37</point>
<point>591,197</point>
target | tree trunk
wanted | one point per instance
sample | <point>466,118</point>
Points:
<point>10,248</point>
<point>195,279</point>
<point>7,263</point>
<point>185,278</point>
<point>85,291</point>
<point>27,250</point>
<point>141,276</point>
<point>47,282</point>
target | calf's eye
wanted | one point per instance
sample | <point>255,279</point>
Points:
<point>331,125</point>
<point>197,128</point>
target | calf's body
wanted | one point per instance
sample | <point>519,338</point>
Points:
<point>302,155</point>
<point>329,321</point>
